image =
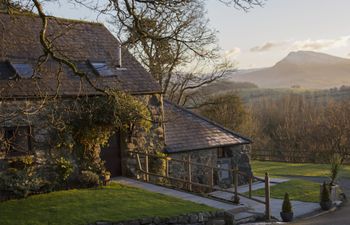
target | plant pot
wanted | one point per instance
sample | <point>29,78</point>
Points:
<point>287,216</point>
<point>326,205</point>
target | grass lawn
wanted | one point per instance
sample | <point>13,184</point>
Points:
<point>113,203</point>
<point>299,190</point>
<point>280,169</point>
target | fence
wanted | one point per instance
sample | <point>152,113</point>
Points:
<point>143,166</point>
<point>293,156</point>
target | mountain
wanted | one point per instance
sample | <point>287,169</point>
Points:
<point>306,69</point>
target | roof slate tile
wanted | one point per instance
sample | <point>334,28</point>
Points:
<point>186,131</point>
<point>78,41</point>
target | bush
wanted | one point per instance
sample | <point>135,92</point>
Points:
<point>335,167</point>
<point>157,164</point>
<point>88,179</point>
<point>21,162</point>
<point>286,206</point>
<point>64,168</point>
<point>325,196</point>
<point>19,183</point>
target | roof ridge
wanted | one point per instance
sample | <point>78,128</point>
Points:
<point>34,15</point>
<point>209,121</point>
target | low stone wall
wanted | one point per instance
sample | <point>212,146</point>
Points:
<point>201,218</point>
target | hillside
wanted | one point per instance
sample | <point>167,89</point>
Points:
<point>306,69</point>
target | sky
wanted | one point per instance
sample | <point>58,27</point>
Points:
<point>264,35</point>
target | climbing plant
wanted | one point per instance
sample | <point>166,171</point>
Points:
<point>88,123</point>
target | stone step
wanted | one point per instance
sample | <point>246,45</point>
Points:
<point>246,217</point>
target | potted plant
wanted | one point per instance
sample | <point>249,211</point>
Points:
<point>325,202</point>
<point>336,162</point>
<point>287,211</point>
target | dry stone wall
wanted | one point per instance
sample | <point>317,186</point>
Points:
<point>201,218</point>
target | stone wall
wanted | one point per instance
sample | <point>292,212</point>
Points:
<point>140,140</point>
<point>235,155</point>
<point>28,113</point>
<point>201,218</point>
<point>33,113</point>
<point>199,174</point>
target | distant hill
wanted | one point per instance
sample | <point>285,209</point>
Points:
<point>305,69</point>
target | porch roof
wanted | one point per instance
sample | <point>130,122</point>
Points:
<point>187,131</point>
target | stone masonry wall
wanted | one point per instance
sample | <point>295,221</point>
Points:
<point>140,140</point>
<point>201,218</point>
<point>236,155</point>
<point>199,174</point>
<point>25,113</point>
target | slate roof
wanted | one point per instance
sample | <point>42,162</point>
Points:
<point>186,131</point>
<point>77,40</point>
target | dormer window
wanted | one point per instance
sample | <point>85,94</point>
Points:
<point>23,70</point>
<point>101,68</point>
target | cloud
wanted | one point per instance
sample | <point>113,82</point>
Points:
<point>268,46</point>
<point>232,53</point>
<point>321,44</point>
<point>308,44</point>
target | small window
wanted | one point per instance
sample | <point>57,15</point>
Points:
<point>222,153</point>
<point>15,141</point>
<point>23,70</point>
<point>102,69</point>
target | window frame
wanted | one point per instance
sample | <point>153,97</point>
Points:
<point>18,73</point>
<point>108,69</point>
<point>15,152</point>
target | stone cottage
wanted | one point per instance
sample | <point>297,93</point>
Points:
<point>96,52</point>
<point>190,136</point>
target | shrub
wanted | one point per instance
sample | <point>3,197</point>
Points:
<point>286,206</point>
<point>21,162</point>
<point>19,183</point>
<point>335,167</point>
<point>88,179</point>
<point>157,164</point>
<point>64,168</point>
<point>325,196</point>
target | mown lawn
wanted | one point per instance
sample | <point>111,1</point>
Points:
<point>300,190</point>
<point>73,207</point>
<point>280,169</point>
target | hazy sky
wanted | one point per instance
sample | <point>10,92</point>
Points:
<point>264,35</point>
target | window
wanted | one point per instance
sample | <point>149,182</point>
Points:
<point>15,141</point>
<point>223,152</point>
<point>102,69</point>
<point>23,70</point>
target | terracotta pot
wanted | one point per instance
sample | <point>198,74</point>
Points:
<point>287,216</point>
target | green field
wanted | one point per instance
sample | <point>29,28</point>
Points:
<point>280,169</point>
<point>298,189</point>
<point>73,207</point>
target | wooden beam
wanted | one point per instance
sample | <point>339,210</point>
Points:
<point>267,197</point>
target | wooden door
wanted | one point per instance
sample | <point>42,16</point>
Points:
<point>111,154</point>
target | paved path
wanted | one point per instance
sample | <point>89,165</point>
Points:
<point>177,194</point>
<point>259,185</point>
<point>300,208</point>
